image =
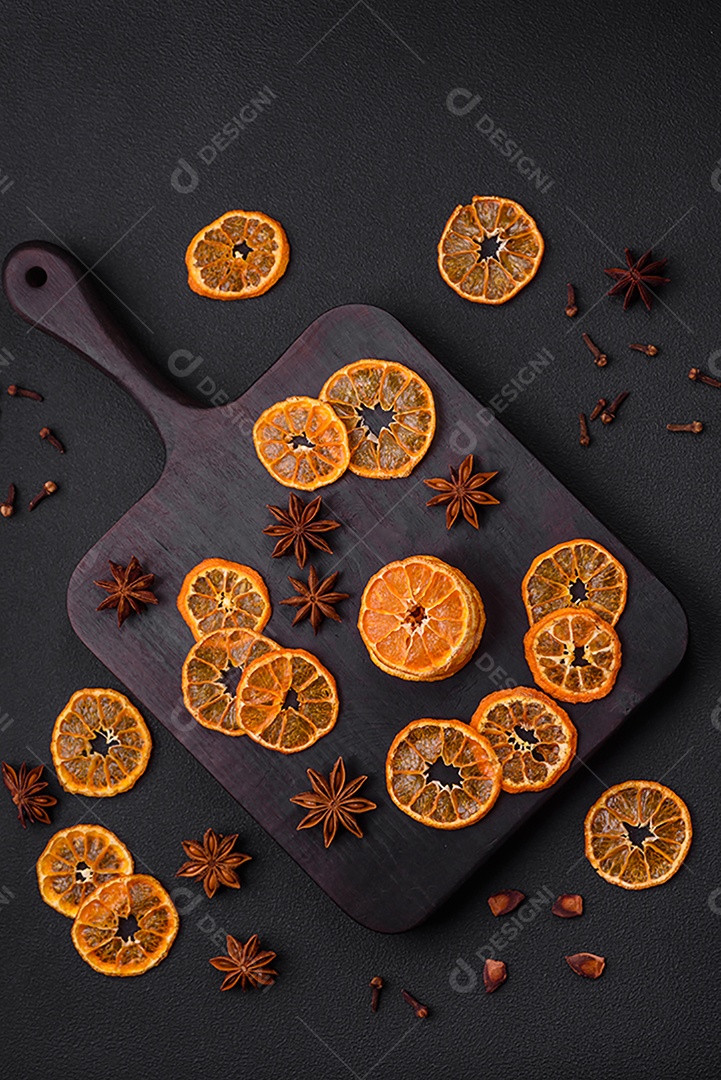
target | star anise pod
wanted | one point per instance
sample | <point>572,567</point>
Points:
<point>636,278</point>
<point>129,591</point>
<point>245,964</point>
<point>333,802</point>
<point>299,526</point>
<point>315,599</point>
<point>213,861</point>
<point>461,492</point>
<point>25,786</point>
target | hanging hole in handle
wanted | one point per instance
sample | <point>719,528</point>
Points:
<point>36,277</point>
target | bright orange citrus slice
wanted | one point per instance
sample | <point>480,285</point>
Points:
<point>217,594</point>
<point>96,928</point>
<point>516,248</point>
<point>209,666</point>
<point>302,443</point>
<point>636,861</point>
<point>573,655</point>
<point>78,861</point>
<point>241,254</point>
<point>532,737</point>
<point>266,714</point>
<point>407,401</point>
<point>121,758</point>
<point>578,573</point>
<point>421,619</point>
<point>451,802</point>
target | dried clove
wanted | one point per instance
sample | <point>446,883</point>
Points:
<point>571,307</point>
<point>7,509</point>
<point>568,906</point>
<point>20,391</point>
<point>46,433</point>
<point>598,408</point>
<point>49,488</point>
<point>421,1011</point>
<point>649,350</point>
<point>587,964</point>
<point>584,438</point>
<point>599,358</point>
<point>609,413</point>
<point>695,426</point>
<point>494,974</point>
<point>503,903</point>
<point>699,376</point>
<point>376,985</point>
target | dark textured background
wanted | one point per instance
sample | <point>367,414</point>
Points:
<point>360,158</point>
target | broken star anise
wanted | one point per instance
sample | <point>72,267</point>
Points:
<point>299,526</point>
<point>461,492</point>
<point>129,591</point>
<point>245,964</point>
<point>213,862</point>
<point>25,787</point>
<point>636,278</point>
<point>333,802</point>
<point>315,599</point>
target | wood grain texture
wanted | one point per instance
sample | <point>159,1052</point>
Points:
<point>210,501</point>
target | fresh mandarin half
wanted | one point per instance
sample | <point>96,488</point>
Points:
<point>421,619</point>
<point>477,273</point>
<point>240,255</point>
<point>302,443</point>
<point>533,738</point>
<point>407,404</point>
<point>213,663</point>
<point>265,712</point>
<point>456,800</point>
<point>217,594</point>
<point>636,861</point>
<point>108,717</point>
<point>78,861</point>
<point>578,573</point>
<point>97,933</point>
<point>573,655</point>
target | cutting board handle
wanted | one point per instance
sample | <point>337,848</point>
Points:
<point>50,289</point>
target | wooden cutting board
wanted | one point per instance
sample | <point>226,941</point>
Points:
<point>211,501</point>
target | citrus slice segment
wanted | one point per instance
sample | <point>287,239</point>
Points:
<point>302,443</point>
<point>455,801</point>
<point>402,397</point>
<point>573,655</point>
<point>78,861</point>
<point>217,594</point>
<point>239,255</point>
<point>264,711</point>
<point>106,716</point>
<point>533,738</point>
<point>98,936</point>
<point>421,619</point>
<point>578,573</point>
<point>212,664</point>
<point>633,860</point>
<point>480,275</point>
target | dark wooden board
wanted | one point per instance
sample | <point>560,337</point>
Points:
<point>210,501</point>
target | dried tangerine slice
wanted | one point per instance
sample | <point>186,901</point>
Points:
<point>449,803</point>
<point>577,573</point>
<point>421,619</point>
<point>398,392</point>
<point>217,594</point>
<point>96,930</point>
<point>302,443</point>
<point>105,714</point>
<point>78,861</point>
<point>213,663</point>
<point>636,861</point>
<point>489,278</point>
<point>533,738</point>
<point>266,714</point>
<point>573,655</point>
<point>239,255</point>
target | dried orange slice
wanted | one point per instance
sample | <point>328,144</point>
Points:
<point>578,573</point>
<point>76,862</point>
<point>471,780</point>
<point>109,717</point>
<point>573,655</point>
<point>532,737</point>
<point>480,275</point>
<point>211,672</point>
<point>302,443</point>
<point>632,860</point>
<point>96,930</point>
<point>239,255</point>
<point>266,714</point>
<point>368,385</point>
<point>217,594</point>
<point>421,619</point>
